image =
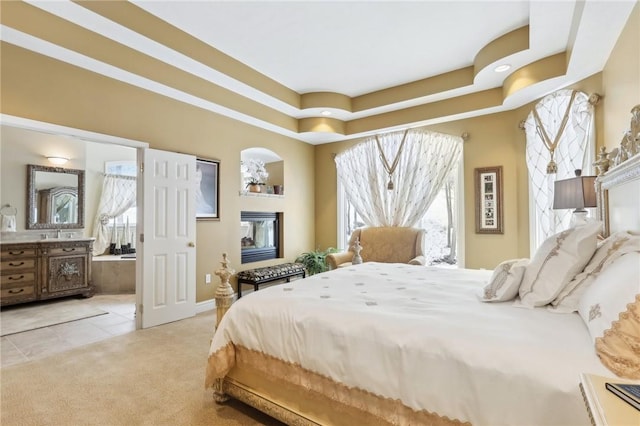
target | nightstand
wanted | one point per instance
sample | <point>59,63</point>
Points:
<point>604,407</point>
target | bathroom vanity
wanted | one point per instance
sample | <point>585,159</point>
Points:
<point>44,269</point>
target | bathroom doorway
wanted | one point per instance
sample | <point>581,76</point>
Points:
<point>30,142</point>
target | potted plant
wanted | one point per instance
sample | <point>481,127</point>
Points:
<point>254,174</point>
<point>314,261</point>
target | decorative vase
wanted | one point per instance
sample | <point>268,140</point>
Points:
<point>254,188</point>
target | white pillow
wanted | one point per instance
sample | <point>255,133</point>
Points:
<point>610,293</point>
<point>608,250</point>
<point>505,281</point>
<point>558,260</point>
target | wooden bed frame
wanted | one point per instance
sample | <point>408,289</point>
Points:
<point>616,209</point>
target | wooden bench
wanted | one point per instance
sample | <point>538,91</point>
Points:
<point>268,274</point>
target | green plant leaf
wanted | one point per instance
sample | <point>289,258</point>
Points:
<point>315,261</point>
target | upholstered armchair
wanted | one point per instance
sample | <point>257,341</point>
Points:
<point>390,244</point>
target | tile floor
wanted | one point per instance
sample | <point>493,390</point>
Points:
<point>33,344</point>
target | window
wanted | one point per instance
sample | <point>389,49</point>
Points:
<point>123,168</point>
<point>442,222</point>
<point>563,121</point>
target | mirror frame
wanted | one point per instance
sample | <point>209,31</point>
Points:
<point>32,220</point>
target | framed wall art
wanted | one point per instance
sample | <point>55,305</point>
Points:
<point>207,189</point>
<point>488,186</point>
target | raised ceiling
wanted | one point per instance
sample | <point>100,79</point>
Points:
<point>375,66</point>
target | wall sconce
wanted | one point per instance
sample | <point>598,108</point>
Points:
<point>575,193</point>
<point>58,161</point>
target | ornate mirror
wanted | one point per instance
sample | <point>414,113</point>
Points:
<point>55,197</point>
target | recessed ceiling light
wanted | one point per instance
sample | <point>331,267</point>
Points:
<point>325,112</point>
<point>502,68</point>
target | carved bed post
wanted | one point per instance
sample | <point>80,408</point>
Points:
<point>224,299</point>
<point>224,292</point>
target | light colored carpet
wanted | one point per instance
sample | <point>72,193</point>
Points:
<point>148,377</point>
<point>19,318</point>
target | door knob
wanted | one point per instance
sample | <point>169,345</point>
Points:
<point>192,244</point>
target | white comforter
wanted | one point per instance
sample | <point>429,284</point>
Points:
<point>421,335</point>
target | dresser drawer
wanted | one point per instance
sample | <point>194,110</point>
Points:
<point>14,253</point>
<point>68,250</point>
<point>25,292</point>
<point>44,269</point>
<point>18,277</point>
<point>6,266</point>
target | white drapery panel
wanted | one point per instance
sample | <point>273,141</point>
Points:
<point>575,150</point>
<point>424,162</point>
<point>118,195</point>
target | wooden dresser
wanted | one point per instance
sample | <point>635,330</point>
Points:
<point>44,270</point>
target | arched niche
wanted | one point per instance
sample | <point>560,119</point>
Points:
<point>273,165</point>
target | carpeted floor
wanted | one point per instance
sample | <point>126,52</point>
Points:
<point>147,377</point>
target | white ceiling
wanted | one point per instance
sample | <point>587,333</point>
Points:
<point>359,47</point>
<point>354,48</point>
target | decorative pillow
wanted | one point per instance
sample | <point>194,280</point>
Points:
<point>505,281</point>
<point>619,348</point>
<point>610,293</point>
<point>608,250</point>
<point>558,260</point>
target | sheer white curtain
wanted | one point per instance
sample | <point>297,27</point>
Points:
<point>575,150</point>
<point>118,195</point>
<point>423,163</point>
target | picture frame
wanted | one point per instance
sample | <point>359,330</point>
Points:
<point>488,190</point>
<point>207,189</point>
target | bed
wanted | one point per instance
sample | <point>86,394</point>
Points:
<point>384,343</point>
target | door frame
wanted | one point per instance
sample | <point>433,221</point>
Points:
<point>84,135</point>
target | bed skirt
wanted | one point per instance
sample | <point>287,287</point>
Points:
<point>296,396</point>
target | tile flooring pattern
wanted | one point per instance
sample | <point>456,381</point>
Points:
<point>33,344</point>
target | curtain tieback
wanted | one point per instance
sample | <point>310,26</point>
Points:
<point>391,168</point>
<point>552,167</point>
<point>104,219</point>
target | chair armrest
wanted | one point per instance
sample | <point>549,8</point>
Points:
<point>335,259</point>
<point>418,260</point>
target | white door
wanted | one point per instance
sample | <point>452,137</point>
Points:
<point>166,285</point>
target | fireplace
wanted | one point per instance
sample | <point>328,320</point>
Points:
<point>259,236</point>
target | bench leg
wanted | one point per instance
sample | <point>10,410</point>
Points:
<point>239,289</point>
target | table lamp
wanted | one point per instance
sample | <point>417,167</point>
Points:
<point>575,193</point>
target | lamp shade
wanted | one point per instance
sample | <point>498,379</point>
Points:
<point>575,193</point>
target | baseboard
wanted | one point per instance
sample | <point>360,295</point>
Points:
<point>209,305</point>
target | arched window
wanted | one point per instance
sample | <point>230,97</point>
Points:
<point>560,131</point>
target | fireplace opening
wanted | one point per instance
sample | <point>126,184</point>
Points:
<point>259,236</point>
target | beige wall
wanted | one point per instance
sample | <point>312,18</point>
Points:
<point>43,89</point>
<point>276,172</point>
<point>621,81</point>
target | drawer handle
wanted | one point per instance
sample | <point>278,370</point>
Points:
<point>15,253</point>
<point>16,279</point>
<point>68,249</point>
<point>12,291</point>
<point>16,264</point>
